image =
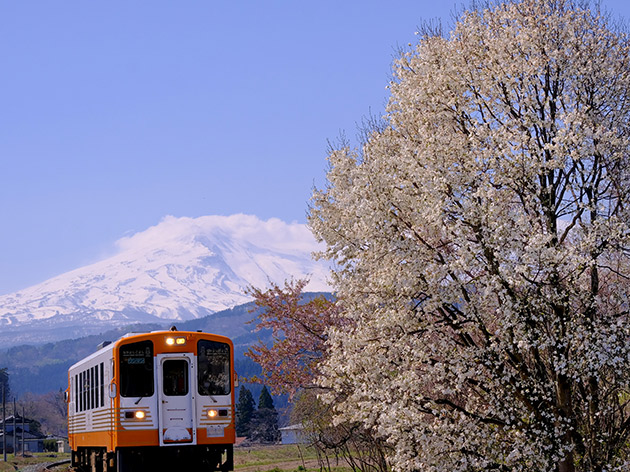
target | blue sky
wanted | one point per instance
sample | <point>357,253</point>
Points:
<point>115,114</point>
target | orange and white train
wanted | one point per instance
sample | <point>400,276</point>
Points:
<point>154,401</point>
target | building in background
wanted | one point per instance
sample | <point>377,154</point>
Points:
<point>293,434</point>
<point>33,440</point>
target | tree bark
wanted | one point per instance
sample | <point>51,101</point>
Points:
<point>565,406</point>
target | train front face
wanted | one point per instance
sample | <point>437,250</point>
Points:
<point>175,388</point>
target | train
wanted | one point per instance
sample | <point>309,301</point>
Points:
<point>161,400</point>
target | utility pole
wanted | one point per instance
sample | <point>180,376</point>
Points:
<point>22,430</point>
<point>14,430</point>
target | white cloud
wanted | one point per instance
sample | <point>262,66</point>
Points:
<point>273,234</point>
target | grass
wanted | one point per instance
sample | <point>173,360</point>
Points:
<point>281,458</point>
<point>267,454</point>
<point>17,463</point>
<point>248,457</point>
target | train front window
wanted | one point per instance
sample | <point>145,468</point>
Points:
<point>213,364</point>
<point>136,369</point>
<point>175,375</point>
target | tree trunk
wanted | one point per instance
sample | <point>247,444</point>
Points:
<point>567,465</point>
<point>565,405</point>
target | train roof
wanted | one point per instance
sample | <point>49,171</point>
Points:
<point>109,345</point>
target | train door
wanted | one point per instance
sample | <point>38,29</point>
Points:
<point>176,399</point>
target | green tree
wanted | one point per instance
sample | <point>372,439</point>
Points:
<point>265,400</point>
<point>4,382</point>
<point>264,425</point>
<point>245,408</point>
<point>264,428</point>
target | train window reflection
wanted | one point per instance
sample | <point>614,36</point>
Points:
<point>213,364</point>
<point>136,369</point>
<point>175,376</point>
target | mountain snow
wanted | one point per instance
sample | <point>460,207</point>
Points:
<point>180,269</point>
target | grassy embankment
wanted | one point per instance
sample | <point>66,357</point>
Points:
<point>246,459</point>
<point>19,462</point>
<point>276,458</point>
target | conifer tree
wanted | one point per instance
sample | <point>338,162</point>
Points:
<point>4,382</point>
<point>265,400</point>
<point>264,425</point>
<point>244,412</point>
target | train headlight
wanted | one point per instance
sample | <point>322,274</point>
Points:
<point>213,413</point>
<point>180,341</point>
<point>138,415</point>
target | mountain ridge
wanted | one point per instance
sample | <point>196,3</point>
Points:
<point>43,368</point>
<point>180,269</point>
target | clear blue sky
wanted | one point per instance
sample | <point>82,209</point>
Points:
<point>114,114</point>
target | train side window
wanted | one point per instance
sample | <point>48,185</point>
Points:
<point>88,405</point>
<point>213,368</point>
<point>102,385</point>
<point>96,387</point>
<point>86,390</point>
<point>92,387</point>
<point>136,369</point>
<point>83,407</point>
<point>76,393</point>
<point>80,391</point>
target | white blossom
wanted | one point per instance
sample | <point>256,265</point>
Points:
<point>481,241</point>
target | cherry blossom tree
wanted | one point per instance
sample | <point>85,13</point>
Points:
<point>482,237</point>
<point>299,335</point>
<point>291,364</point>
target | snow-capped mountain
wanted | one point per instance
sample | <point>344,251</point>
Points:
<point>182,268</point>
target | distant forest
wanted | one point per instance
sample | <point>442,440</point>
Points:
<point>44,368</point>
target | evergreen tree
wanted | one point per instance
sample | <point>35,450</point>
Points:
<point>4,382</point>
<point>264,424</point>
<point>265,400</point>
<point>244,412</point>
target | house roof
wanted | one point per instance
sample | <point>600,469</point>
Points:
<point>18,419</point>
<point>27,436</point>
<point>293,427</point>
